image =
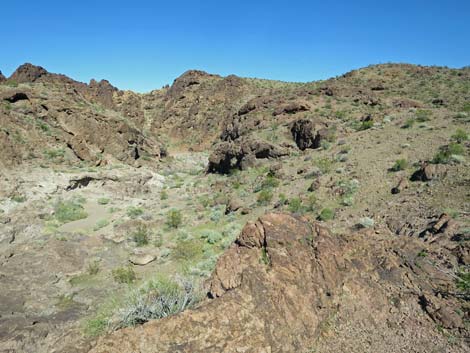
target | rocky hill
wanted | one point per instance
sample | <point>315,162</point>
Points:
<point>228,214</point>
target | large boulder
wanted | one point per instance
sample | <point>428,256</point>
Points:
<point>241,154</point>
<point>292,108</point>
<point>428,172</point>
<point>308,134</point>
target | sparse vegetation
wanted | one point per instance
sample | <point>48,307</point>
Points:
<point>124,275</point>
<point>103,201</point>
<point>400,164</point>
<point>326,214</point>
<point>134,212</point>
<point>70,210</point>
<point>141,236</point>
<point>174,218</point>
<point>264,197</point>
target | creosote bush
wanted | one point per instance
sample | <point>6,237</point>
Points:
<point>400,164</point>
<point>265,197</point>
<point>174,218</point>
<point>141,236</point>
<point>124,274</point>
<point>69,211</point>
<point>134,212</point>
<point>326,214</point>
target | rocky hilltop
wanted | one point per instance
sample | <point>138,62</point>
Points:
<point>229,214</point>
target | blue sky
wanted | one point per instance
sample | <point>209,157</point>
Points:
<point>142,45</point>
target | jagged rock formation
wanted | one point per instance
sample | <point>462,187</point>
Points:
<point>241,154</point>
<point>284,283</point>
<point>70,121</point>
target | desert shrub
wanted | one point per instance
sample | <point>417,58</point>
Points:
<point>365,125</point>
<point>93,268</point>
<point>422,115</point>
<point>326,214</point>
<point>43,126</point>
<point>163,195</point>
<point>187,250</point>
<point>324,164</point>
<point>269,182</point>
<point>134,212</point>
<point>174,218</point>
<point>463,281</point>
<point>211,236</point>
<point>69,211</point>
<point>18,198</point>
<point>366,222</point>
<point>460,136</point>
<point>54,153</point>
<point>141,236</point>
<point>409,123</point>
<point>100,224</point>
<point>264,197</point>
<point>124,274</point>
<point>158,299</point>
<point>400,164</point>
<point>103,201</point>
<point>295,205</point>
<point>444,155</point>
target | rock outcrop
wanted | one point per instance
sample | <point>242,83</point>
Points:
<point>283,283</point>
<point>308,134</point>
<point>241,154</point>
<point>27,73</point>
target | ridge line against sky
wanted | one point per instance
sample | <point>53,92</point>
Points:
<point>144,45</point>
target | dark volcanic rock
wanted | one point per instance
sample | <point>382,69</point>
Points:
<point>241,154</point>
<point>308,134</point>
<point>14,97</point>
<point>28,73</point>
<point>292,108</point>
<point>429,172</point>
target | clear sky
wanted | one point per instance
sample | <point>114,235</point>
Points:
<point>142,45</point>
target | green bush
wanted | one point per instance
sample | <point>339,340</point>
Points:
<point>100,224</point>
<point>124,274</point>
<point>53,154</point>
<point>141,236</point>
<point>326,214</point>
<point>265,197</point>
<point>18,198</point>
<point>422,115</point>
<point>174,218</point>
<point>444,155</point>
<point>400,164</point>
<point>365,125</point>
<point>103,201</point>
<point>460,136</point>
<point>187,250</point>
<point>163,195</point>
<point>134,212</point>
<point>93,268</point>
<point>409,123</point>
<point>324,164</point>
<point>295,205</point>
<point>69,211</point>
